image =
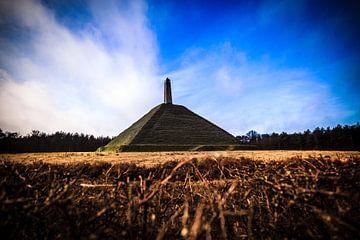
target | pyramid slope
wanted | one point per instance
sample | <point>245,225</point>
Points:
<point>175,125</point>
<point>126,137</point>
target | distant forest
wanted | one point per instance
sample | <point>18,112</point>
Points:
<point>38,141</point>
<point>338,138</point>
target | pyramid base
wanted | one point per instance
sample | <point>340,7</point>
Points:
<point>166,148</point>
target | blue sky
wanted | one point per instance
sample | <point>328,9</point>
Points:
<point>97,66</point>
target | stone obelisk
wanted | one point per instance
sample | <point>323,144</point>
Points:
<point>167,91</point>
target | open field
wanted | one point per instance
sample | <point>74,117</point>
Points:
<point>154,158</point>
<point>181,195</point>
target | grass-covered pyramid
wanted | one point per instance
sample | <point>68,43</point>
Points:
<point>169,127</point>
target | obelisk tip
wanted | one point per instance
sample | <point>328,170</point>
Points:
<point>167,92</point>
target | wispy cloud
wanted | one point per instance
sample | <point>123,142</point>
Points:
<point>253,94</point>
<point>102,76</point>
<point>77,81</point>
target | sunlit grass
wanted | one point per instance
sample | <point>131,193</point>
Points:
<point>199,197</point>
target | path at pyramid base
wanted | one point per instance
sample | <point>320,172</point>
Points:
<point>170,127</point>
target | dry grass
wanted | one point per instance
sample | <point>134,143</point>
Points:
<point>213,196</point>
<point>150,159</point>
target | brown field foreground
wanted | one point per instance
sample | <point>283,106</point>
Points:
<point>214,196</point>
<point>150,159</point>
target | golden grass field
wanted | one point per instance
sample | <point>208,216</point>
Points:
<point>154,158</point>
<point>181,195</point>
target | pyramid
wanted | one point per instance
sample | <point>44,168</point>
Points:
<point>169,127</point>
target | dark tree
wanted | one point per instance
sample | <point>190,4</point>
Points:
<point>38,141</point>
<point>338,138</point>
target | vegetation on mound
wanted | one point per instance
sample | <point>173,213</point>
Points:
<point>127,136</point>
<point>213,198</point>
<point>169,124</point>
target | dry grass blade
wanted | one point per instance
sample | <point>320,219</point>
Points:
<point>157,187</point>
<point>86,185</point>
<point>165,226</point>
<point>196,226</point>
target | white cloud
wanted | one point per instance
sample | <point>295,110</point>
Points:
<point>252,94</point>
<point>73,81</point>
<point>226,81</point>
<point>103,77</point>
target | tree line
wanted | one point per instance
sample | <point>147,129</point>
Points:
<point>36,141</point>
<point>337,138</point>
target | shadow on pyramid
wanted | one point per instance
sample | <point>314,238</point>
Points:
<point>170,127</point>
